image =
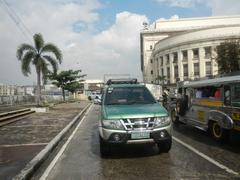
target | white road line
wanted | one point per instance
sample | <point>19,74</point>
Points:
<point>17,145</point>
<point>206,157</point>
<point>36,126</point>
<point>59,154</point>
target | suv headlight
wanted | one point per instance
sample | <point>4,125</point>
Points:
<point>161,121</point>
<point>112,124</point>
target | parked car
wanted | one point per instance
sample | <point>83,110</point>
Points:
<point>131,115</point>
<point>97,99</point>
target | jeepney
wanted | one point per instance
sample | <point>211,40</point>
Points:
<point>212,105</point>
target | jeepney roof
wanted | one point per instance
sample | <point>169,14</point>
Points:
<point>216,81</point>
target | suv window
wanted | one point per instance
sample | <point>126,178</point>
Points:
<point>128,95</point>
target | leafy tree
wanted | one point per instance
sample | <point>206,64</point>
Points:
<point>67,80</point>
<point>228,56</point>
<point>41,55</point>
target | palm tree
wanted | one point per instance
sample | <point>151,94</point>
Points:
<point>41,55</point>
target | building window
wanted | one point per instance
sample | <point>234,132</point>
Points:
<point>185,55</point>
<point>151,47</point>
<point>208,52</point>
<point>175,57</point>
<point>151,61</point>
<point>195,54</point>
<point>161,59</point>
<point>176,71</point>
<point>208,68</point>
<point>196,69</point>
<point>168,72</point>
<point>185,70</point>
<point>167,59</point>
<point>151,71</point>
<point>162,72</point>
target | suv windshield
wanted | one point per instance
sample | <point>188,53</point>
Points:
<point>128,95</point>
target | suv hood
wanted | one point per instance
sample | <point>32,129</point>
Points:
<point>133,111</point>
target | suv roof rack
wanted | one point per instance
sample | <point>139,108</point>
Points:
<point>122,81</point>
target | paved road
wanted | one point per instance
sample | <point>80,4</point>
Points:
<point>81,159</point>
<point>22,140</point>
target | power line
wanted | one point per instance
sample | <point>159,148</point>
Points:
<point>17,20</point>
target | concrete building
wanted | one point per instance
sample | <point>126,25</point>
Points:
<point>25,90</point>
<point>183,49</point>
<point>7,90</point>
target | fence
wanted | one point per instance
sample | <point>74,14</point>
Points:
<point>18,99</point>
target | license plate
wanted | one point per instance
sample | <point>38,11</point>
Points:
<point>140,135</point>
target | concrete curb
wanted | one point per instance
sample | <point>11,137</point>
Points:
<point>33,165</point>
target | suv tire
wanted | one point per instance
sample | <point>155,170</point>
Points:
<point>104,147</point>
<point>165,146</point>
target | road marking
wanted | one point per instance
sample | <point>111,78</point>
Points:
<point>59,154</point>
<point>206,157</point>
<point>22,126</point>
<point>17,145</point>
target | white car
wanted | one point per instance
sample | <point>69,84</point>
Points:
<point>97,99</point>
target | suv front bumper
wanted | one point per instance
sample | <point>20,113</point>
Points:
<point>125,137</point>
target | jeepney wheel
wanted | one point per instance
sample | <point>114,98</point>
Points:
<point>217,132</point>
<point>174,117</point>
<point>104,147</point>
<point>165,146</point>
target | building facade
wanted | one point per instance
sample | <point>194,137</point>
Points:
<point>7,90</point>
<point>184,49</point>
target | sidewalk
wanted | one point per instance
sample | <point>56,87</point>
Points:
<point>22,140</point>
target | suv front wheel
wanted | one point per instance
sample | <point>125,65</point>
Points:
<point>104,147</point>
<point>165,146</point>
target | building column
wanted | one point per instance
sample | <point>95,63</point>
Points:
<point>202,64</point>
<point>214,67</point>
<point>172,75</point>
<point>180,65</point>
<point>165,66</point>
<point>190,64</point>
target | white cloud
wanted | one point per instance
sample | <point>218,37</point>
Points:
<point>218,7</point>
<point>181,3</point>
<point>223,7</point>
<point>115,50</point>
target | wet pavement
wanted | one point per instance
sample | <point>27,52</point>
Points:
<point>81,158</point>
<point>22,140</point>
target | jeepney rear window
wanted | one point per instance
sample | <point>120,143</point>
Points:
<point>236,95</point>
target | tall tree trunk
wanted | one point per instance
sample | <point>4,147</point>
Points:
<point>38,85</point>
<point>63,94</point>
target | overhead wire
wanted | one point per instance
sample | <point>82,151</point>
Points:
<point>17,20</point>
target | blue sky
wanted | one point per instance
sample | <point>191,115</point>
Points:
<point>151,8</point>
<point>97,36</point>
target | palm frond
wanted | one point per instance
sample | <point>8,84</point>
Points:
<point>22,48</point>
<point>38,41</point>
<point>53,62</point>
<point>51,48</point>
<point>26,60</point>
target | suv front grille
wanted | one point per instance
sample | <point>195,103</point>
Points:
<point>138,123</point>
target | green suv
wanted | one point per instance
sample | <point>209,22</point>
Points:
<point>131,115</point>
